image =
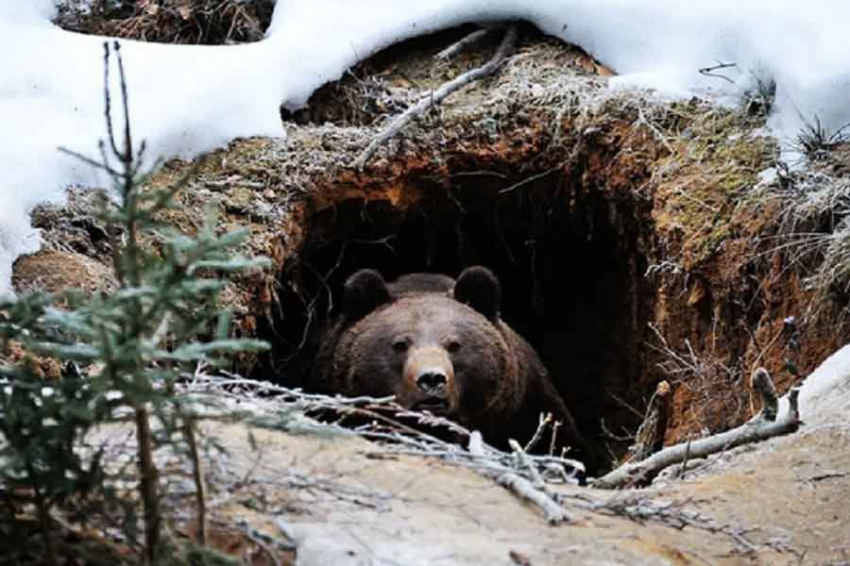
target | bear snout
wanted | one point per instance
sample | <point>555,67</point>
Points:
<point>432,381</point>
<point>429,379</point>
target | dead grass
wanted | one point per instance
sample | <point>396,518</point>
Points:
<point>207,22</point>
<point>813,232</point>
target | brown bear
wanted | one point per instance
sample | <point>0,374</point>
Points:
<point>440,345</point>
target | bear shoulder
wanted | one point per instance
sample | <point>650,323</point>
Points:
<point>542,396</point>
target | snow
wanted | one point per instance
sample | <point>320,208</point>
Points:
<point>825,394</point>
<point>189,99</point>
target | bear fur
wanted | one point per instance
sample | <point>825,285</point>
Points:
<point>439,344</point>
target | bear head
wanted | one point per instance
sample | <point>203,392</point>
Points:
<point>435,345</point>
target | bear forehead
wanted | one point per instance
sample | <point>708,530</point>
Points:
<point>429,312</point>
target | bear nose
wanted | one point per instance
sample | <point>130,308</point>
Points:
<point>432,381</point>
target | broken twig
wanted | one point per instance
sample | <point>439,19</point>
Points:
<point>650,436</point>
<point>762,383</point>
<point>552,511</point>
<point>712,71</point>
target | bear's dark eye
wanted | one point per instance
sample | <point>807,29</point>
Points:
<point>453,346</point>
<point>400,345</point>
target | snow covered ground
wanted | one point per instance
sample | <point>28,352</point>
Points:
<point>190,99</point>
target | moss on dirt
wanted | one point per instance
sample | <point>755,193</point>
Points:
<point>716,155</point>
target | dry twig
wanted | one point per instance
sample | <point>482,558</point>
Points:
<point>545,421</point>
<point>524,474</point>
<point>552,511</point>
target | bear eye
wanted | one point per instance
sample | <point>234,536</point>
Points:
<point>453,346</point>
<point>400,345</point>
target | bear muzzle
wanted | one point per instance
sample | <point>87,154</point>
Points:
<point>429,379</point>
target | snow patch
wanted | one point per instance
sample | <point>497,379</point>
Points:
<point>29,11</point>
<point>186,100</point>
<point>825,394</point>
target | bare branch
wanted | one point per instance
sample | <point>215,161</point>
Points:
<point>437,96</point>
<point>107,103</point>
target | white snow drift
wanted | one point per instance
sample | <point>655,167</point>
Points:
<point>189,99</point>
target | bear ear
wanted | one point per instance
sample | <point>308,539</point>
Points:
<point>479,288</point>
<point>365,291</point>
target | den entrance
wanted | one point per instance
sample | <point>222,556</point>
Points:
<point>568,258</point>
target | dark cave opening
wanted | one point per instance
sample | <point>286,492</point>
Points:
<point>568,257</point>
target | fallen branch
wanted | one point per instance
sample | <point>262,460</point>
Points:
<point>437,96</point>
<point>534,490</point>
<point>765,425</point>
